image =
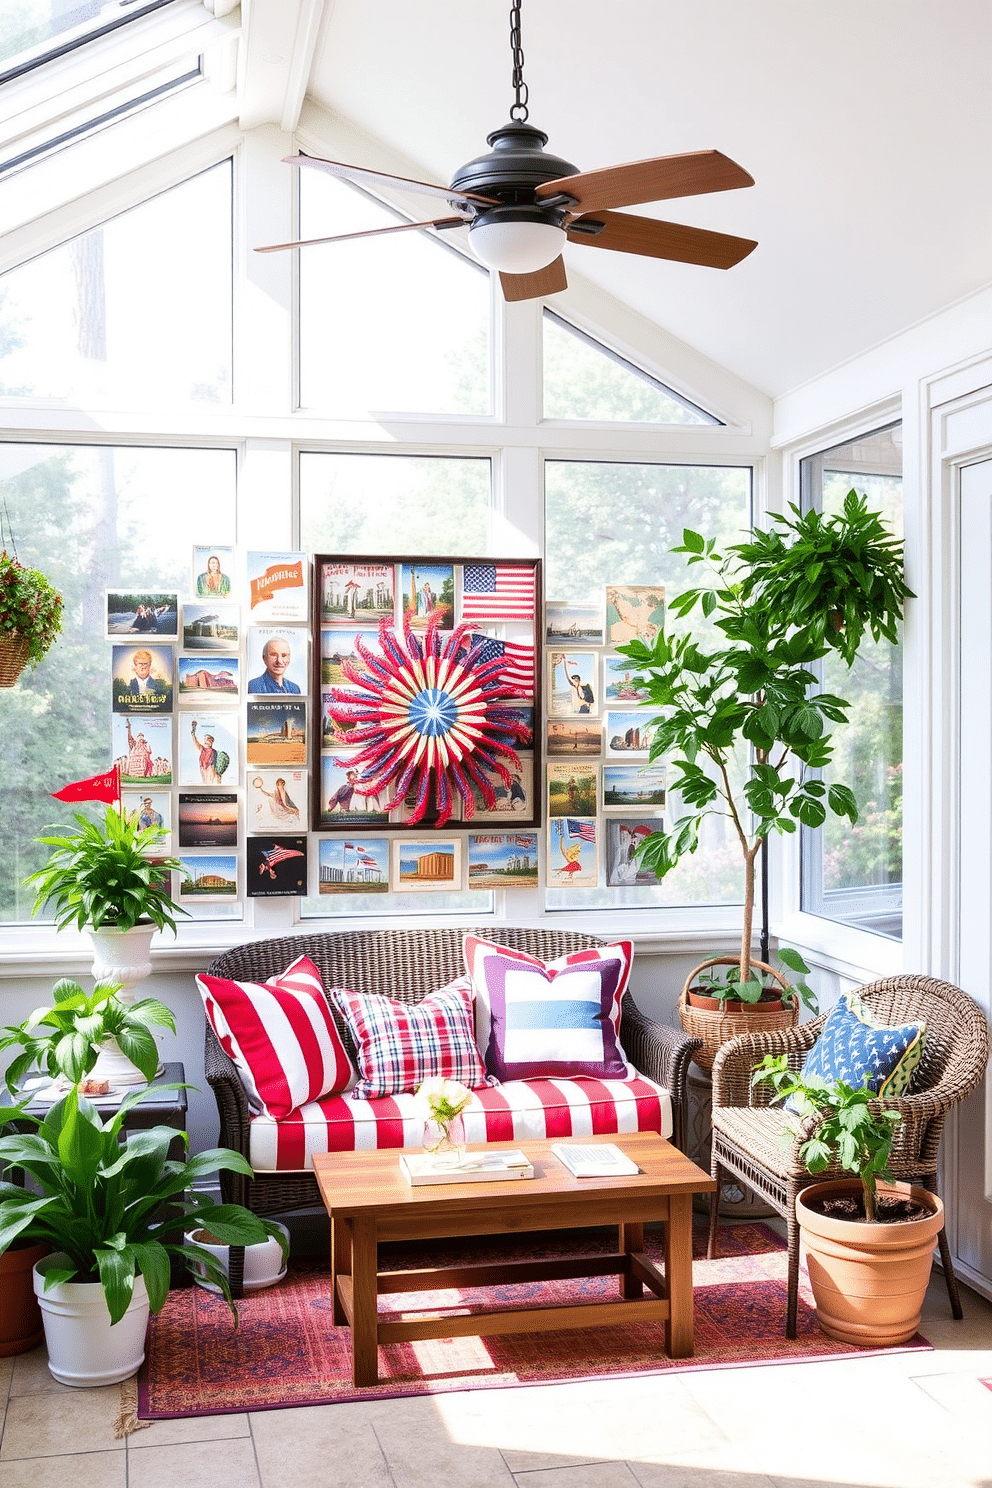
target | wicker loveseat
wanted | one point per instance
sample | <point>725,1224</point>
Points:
<point>406,965</point>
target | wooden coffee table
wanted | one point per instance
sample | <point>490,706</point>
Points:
<point>368,1200</point>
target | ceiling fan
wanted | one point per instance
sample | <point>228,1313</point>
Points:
<point>521,205</point>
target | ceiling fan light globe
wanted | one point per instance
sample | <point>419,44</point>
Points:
<point>515,247</point>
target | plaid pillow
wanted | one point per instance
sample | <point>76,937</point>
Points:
<point>557,1020</point>
<point>400,1044</point>
<point>281,1036</point>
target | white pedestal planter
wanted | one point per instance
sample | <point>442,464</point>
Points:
<point>83,1348</point>
<point>264,1262</point>
<point>123,956</point>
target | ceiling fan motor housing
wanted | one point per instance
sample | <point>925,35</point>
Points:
<point>514,167</point>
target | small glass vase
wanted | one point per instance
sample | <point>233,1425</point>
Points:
<point>445,1141</point>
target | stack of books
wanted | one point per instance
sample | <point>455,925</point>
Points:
<point>474,1167</point>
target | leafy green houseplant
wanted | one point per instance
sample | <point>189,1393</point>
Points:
<point>30,616</point>
<point>101,874</point>
<point>114,1216</point>
<point>868,1251</point>
<point>779,602</point>
<point>63,1040</point>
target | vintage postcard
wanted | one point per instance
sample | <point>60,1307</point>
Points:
<point>142,679</point>
<point>630,787</point>
<point>135,612</point>
<point>275,866</point>
<point>573,852</point>
<point>334,727</point>
<point>278,593</point>
<point>216,679</point>
<point>208,819</point>
<point>573,682</point>
<point>493,593</point>
<point>634,612</point>
<point>341,803</point>
<point>209,749</point>
<point>578,625</point>
<point>151,810</point>
<point>427,591</point>
<point>213,573</point>
<point>356,867</point>
<point>276,801</point>
<point>210,876</point>
<point>624,835</point>
<point>515,799</point>
<point>574,736</point>
<point>339,646</point>
<point>277,661</point>
<point>142,746</point>
<point>629,732</point>
<point>573,788</point>
<point>356,594</point>
<point>429,864</point>
<point>276,732</point>
<point>502,860</point>
<point>619,681</point>
<point>211,627</point>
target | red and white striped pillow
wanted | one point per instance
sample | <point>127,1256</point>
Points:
<point>281,1035</point>
<point>401,1044</point>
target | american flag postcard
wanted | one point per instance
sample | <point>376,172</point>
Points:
<point>518,661</point>
<point>497,591</point>
<point>276,865</point>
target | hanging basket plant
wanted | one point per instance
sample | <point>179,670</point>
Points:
<point>30,617</point>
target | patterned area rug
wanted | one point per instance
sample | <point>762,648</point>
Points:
<point>286,1351</point>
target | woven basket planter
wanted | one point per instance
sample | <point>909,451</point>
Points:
<point>14,651</point>
<point>727,1019</point>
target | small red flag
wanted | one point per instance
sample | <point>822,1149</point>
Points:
<point>98,788</point>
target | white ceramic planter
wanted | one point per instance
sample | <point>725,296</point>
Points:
<point>264,1262</point>
<point>123,956</point>
<point>83,1347</point>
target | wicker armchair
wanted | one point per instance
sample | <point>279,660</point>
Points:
<point>747,1130</point>
<point>403,964</point>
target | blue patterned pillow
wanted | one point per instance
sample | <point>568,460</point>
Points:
<point>855,1049</point>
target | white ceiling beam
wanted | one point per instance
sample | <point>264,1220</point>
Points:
<point>278,42</point>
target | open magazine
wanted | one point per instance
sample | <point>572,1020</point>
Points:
<point>593,1161</point>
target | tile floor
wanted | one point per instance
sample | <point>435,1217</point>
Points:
<point>903,1421</point>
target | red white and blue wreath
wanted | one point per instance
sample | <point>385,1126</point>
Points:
<point>429,716</point>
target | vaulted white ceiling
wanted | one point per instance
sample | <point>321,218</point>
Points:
<point>865,124</point>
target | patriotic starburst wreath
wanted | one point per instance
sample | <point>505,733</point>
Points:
<point>429,716</point>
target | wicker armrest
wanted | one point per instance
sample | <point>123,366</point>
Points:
<point>734,1063</point>
<point>663,1054</point>
<point>232,1108</point>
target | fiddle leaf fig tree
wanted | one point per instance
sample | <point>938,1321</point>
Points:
<point>779,602</point>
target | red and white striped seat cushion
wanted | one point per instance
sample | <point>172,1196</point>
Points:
<point>512,1112</point>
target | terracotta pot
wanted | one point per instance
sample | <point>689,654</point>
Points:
<point>770,1003</point>
<point>868,1280</point>
<point>20,1315</point>
<point>715,1021</point>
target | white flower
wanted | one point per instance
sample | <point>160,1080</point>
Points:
<point>441,1100</point>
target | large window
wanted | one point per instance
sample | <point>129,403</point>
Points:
<point>853,874</point>
<point>612,523</point>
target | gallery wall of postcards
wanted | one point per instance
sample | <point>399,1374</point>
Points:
<point>262,720</point>
<point>603,793</point>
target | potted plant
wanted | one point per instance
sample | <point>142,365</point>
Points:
<point>868,1240</point>
<point>105,877</point>
<point>780,602</point>
<point>66,1039</point>
<point>30,617</point>
<point>113,1215</point>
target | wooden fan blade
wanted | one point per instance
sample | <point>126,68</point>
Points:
<point>533,286</point>
<point>646,235</point>
<point>381,178</point>
<point>649,181</point>
<point>371,232</point>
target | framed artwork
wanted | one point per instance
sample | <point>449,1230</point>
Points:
<point>427,864</point>
<point>142,679</point>
<point>427,672</point>
<point>359,865</point>
<point>141,612</point>
<point>213,573</point>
